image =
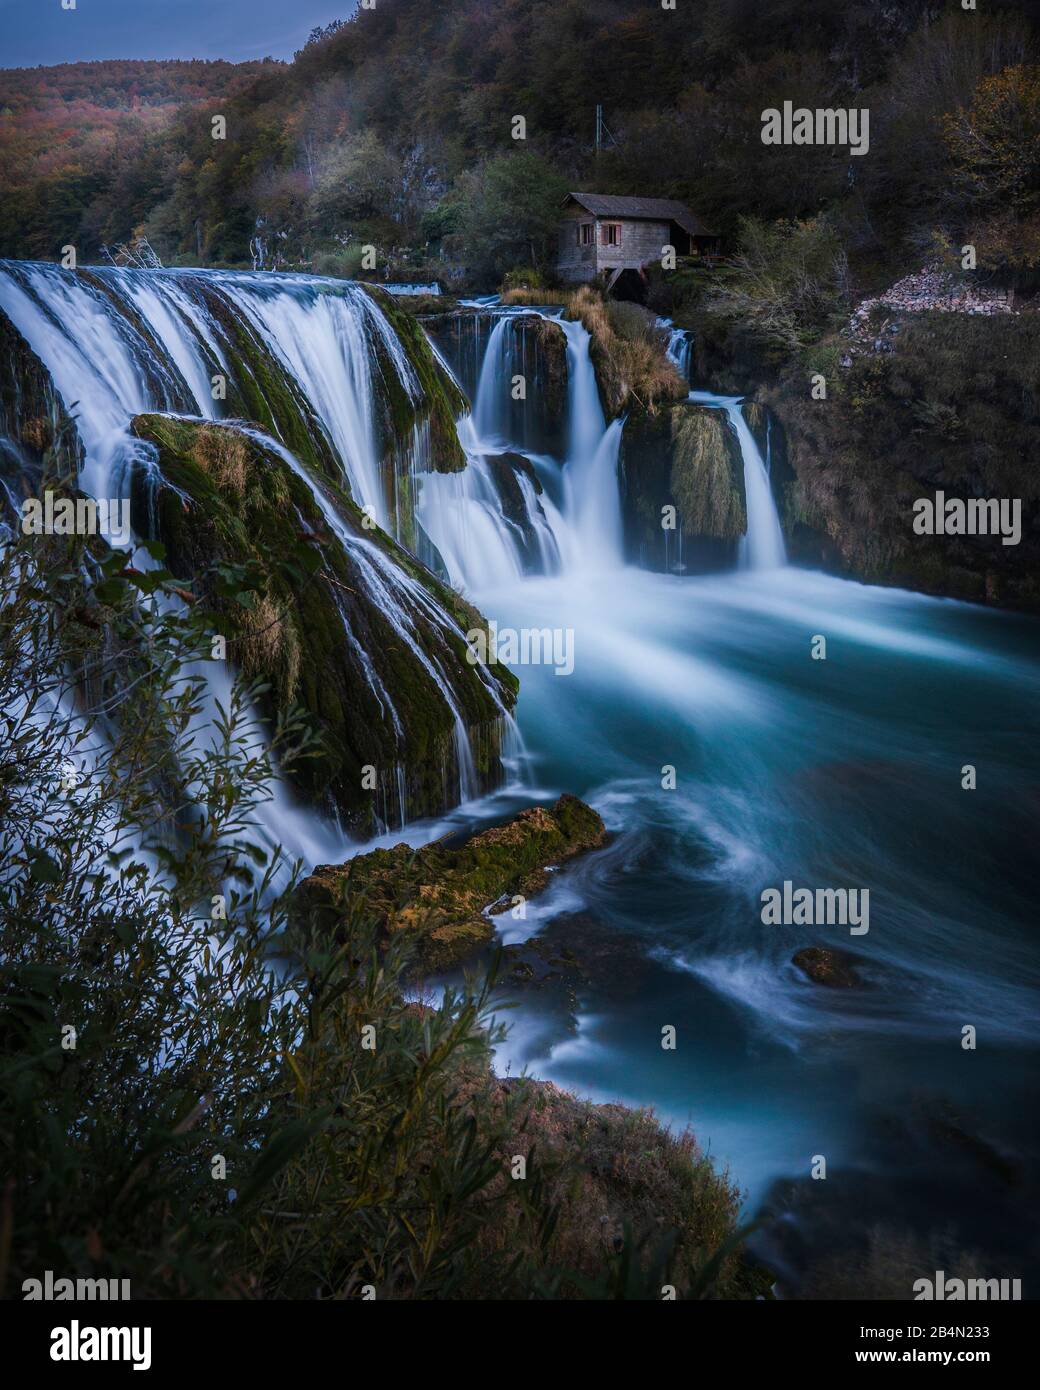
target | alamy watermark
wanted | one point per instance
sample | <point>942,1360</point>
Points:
<point>79,1343</point>
<point>817,907</point>
<point>77,516</point>
<point>975,516</point>
<point>791,125</point>
<point>941,1289</point>
<point>526,646</point>
<point>63,1289</point>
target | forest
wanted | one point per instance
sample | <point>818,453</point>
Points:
<point>393,128</point>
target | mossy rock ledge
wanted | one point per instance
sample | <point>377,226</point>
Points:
<point>687,457</point>
<point>318,630</point>
<point>443,896</point>
<point>952,406</point>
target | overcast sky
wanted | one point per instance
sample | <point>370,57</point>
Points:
<point>40,31</point>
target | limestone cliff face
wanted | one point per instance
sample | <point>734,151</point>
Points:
<point>952,406</point>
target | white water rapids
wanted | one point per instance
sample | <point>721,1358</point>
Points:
<point>723,757</point>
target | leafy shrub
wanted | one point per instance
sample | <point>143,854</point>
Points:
<point>340,265</point>
<point>788,282</point>
<point>522,277</point>
<point>188,1097</point>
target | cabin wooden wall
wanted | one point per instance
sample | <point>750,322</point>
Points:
<point>641,241</point>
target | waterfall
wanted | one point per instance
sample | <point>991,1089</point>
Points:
<point>491,404</point>
<point>573,523</point>
<point>763,545</point>
<point>592,499</point>
<point>680,344</point>
<point>124,341</point>
<point>118,343</point>
<point>325,342</point>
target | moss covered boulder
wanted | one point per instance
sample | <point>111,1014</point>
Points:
<point>337,619</point>
<point>442,895</point>
<point>707,479</point>
<point>688,459</point>
<point>438,401</point>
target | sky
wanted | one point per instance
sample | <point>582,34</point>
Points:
<point>41,31</point>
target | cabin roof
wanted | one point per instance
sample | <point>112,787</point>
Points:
<point>636,209</point>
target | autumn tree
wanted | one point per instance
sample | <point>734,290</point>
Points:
<point>995,142</point>
<point>994,147</point>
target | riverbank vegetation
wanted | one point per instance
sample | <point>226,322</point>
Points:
<point>628,353</point>
<point>199,1098</point>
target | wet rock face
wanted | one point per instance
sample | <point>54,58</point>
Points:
<point>33,421</point>
<point>507,470</point>
<point>707,478</point>
<point>323,629</point>
<point>445,897</point>
<point>689,459</point>
<point>950,406</point>
<point>826,966</point>
<point>542,351</point>
<point>536,349</point>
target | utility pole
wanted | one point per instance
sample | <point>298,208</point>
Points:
<point>602,132</point>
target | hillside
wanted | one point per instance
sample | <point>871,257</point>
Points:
<point>72,131</point>
<point>395,129</point>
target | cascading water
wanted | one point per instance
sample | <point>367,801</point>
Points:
<point>680,346</point>
<point>592,500</point>
<point>763,545</point>
<point>325,342</point>
<point>822,773</point>
<point>723,759</point>
<point>573,524</point>
<point>119,343</point>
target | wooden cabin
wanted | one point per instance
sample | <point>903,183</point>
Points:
<point>604,235</point>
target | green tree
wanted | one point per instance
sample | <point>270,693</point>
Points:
<point>509,214</point>
<point>787,284</point>
<point>361,178</point>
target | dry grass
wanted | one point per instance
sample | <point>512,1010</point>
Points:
<point>523,295</point>
<point>269,646</point>
<point>616,1171</point>
<point>224,455</point>
<point>630,360</point>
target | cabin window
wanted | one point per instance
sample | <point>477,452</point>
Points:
<point>585,234</point>
<point>611,233</point>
